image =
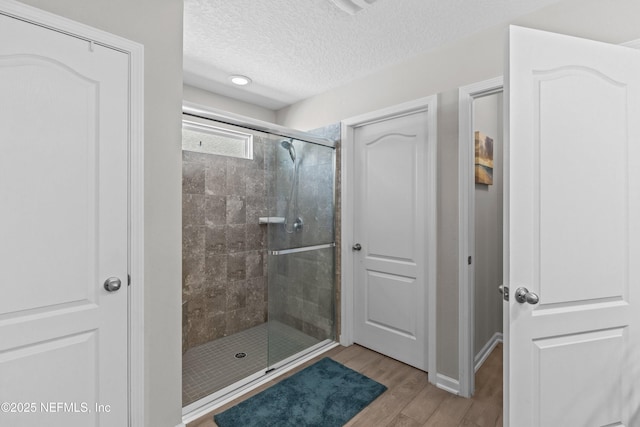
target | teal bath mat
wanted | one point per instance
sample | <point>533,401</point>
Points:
<point>325,394</point>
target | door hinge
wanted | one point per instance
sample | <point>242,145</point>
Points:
<point>128,280</point>
<point>469,260</point>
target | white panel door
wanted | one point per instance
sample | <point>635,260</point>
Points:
<point>389,224</point>
<point>574,232</point>
<point>63,229</point>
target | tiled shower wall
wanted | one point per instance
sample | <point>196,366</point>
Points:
<point>224,260</point>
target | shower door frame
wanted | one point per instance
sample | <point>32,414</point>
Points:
<point>198,110</point>
<point>205,405</point>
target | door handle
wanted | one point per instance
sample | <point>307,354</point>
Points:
<point>523,295</point>
<point>112,284</point>
<point>356,247</point>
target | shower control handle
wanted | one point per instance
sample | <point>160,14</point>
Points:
<point>112,284</point>
<point>356,247</point>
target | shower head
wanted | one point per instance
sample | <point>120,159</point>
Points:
<point>288,145</point>
<point>285,143</point>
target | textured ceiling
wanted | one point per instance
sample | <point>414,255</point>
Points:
<point>294,49</point>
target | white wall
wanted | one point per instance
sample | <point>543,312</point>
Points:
<point>473,59</point>
<point>220,102</point>
<point>487,118</point>
<point>158,25</point>
<point>442,71</point>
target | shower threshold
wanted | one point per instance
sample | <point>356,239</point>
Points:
<point>212,401</point>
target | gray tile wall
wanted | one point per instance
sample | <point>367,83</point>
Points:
<point>224,249</point>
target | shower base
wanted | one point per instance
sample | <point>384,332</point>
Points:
<point>213,366</point>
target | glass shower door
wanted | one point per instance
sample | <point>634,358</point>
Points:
<point>300,248</point>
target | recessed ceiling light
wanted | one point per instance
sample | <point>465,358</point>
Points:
<point>240,80</point>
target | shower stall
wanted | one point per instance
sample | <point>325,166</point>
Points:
<point>258,251</point>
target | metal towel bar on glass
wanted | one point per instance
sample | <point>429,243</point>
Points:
<point>302,249</point>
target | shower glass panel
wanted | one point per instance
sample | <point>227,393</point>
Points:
<point>258,253</point>
<point>300,248</point>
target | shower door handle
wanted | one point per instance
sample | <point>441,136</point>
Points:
<point>356,247</point>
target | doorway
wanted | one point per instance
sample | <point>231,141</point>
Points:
<point>540,177</point>
<point>487,258</point>
<point>481,220</point>
<point>389,298</point>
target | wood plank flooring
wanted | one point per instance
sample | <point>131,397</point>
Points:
<point>410,400</point>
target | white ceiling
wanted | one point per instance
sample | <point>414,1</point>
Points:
<point>294,49</point>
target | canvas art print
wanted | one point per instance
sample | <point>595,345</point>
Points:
<point>484,159</point>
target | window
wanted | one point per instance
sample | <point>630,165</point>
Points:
<point>210,139</point>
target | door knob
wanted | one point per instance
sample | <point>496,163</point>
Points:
<point>356,247</point>
<point>112,284</point>
<point>523,295</point>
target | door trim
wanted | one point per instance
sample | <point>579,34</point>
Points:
<point>466,227</point>
<point>430,105</point>
<point>135,51</point>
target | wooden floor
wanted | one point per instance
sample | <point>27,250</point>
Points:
<point>409,401</point>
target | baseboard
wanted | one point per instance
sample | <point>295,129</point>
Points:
<point>486,350</point>
<point>448,384</point>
